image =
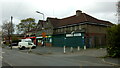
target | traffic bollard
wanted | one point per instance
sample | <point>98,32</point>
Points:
<point>84,47</point>
<point>64,49</point>
<point>78,48</point>
<point>71,49</point>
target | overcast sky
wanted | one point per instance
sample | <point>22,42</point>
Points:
<point>21,9</point>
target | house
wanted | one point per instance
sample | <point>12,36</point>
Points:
<point>80,29</point>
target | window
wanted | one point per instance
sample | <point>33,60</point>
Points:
<point>76,27</point>
<point>64,29</point>
<point>71,28</point>
<point>58,30</point>
<point>29,43</point>
<point>55,30</point>
<point>80,27</point>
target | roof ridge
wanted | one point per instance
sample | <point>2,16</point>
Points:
<point>68,17</point>
<point>85,17</point>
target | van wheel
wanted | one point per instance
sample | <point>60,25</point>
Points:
<point>33,47</point>
<point>20,48</point>
<point>23,48</point>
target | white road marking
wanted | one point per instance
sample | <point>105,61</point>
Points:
<point>3,52</point>
<point>110,63</point>
<point>1,57</point>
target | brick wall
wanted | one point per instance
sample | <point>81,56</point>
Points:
<point>96,35</point>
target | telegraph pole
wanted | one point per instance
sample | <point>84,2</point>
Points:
<point>11,24</point>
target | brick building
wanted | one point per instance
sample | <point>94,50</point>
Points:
<point>77,30</point>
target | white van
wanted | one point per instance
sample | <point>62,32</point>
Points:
<point>26,43</point>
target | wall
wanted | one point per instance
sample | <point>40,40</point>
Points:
<point>96,29</point>
<point>95,35</point>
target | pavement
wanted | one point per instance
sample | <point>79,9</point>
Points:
<point>59,51</point>
<point>112,61</point>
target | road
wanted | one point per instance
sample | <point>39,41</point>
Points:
<point>17,58</point>
<point>1,57</point>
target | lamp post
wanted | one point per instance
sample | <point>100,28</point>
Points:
<point>42,25</point>
<point>40,13</point>
<point>43,17</point>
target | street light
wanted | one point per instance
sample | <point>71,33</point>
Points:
<point>42,25</point>
<point>43,17</point>
<point>40,13</point>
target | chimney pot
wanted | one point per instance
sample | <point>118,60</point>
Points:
<point>78,12</point>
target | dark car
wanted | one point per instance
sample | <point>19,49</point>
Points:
<point>14,43</point>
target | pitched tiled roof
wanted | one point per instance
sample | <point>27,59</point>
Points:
<point>54,21</point>
<point>82,18</point>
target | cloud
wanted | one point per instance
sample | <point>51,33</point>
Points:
<point>21,9</point>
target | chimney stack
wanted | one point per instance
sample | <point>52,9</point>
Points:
<point>78,12</point>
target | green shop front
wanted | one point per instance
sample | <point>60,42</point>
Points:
<point>47,40</point>
<point>69,40</point>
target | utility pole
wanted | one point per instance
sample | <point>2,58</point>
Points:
<point>11,28</point>
<point>11,24</point>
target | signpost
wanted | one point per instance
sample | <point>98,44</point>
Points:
<point>44,35</point>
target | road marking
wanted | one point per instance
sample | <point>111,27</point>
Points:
<point>8,63</point>
<point>3,52</point>
<point>1,57</point>
<point>110,63</point>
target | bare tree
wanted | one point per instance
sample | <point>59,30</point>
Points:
<point>7,29</point>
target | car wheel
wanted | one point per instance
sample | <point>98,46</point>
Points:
<point>23,48</point>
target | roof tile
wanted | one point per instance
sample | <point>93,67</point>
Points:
<point>76,20</point>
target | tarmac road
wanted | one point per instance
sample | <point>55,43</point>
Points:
<point>18,58</point>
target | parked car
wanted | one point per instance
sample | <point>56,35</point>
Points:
<point>26,43</point>
<point>14,43</point>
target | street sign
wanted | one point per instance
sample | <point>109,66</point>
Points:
<point>77,34</point>
<point>71,35</point>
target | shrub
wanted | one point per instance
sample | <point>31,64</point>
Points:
<point>113,41</point>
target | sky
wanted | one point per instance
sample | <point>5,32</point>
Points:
<point>22,9</point>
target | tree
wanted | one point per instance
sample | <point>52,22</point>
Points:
<point>113,41</point>
<point>7,29</point>
<point>26,25</point>
<point>118,11</point>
